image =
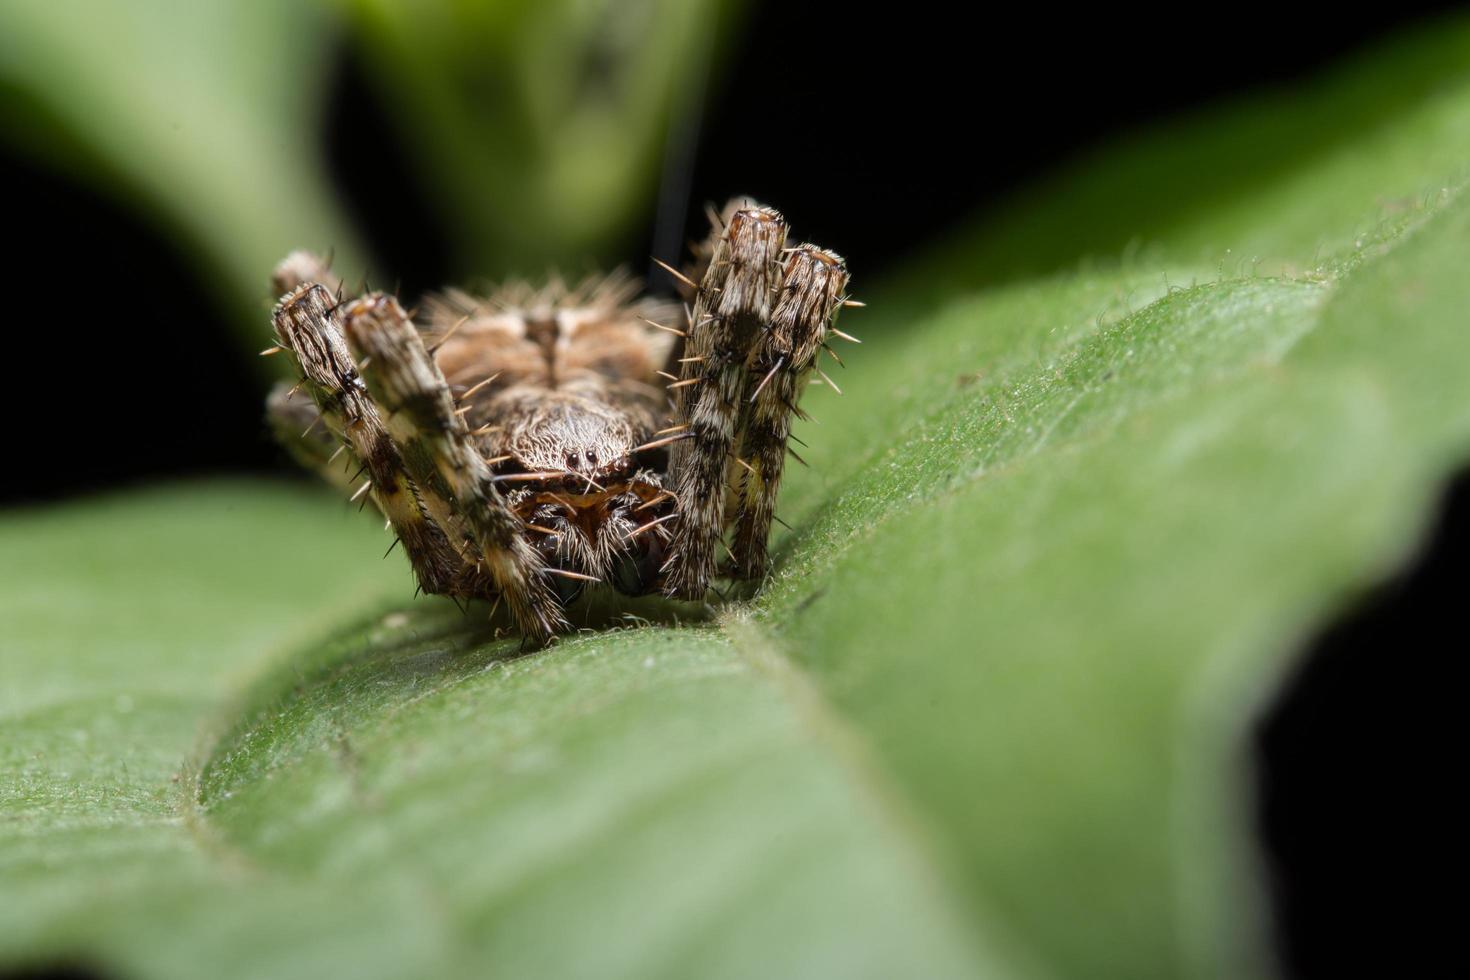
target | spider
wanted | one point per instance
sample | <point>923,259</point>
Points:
<point>524,445</point>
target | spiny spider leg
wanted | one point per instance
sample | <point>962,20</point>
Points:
<point>732,305</point>
<point>784,357</point>
<point>305,324</point>
<point>295,421</point>
<point>435,444</point>
<point>301,268</point>
<point>304,441</point>
<point>298,427</point>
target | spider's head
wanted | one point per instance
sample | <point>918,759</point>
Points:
<point>592,505</point>
<point>572,438</point>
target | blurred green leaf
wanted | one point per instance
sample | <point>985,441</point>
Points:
<point>989,717</point>
<point>203,112</point>
<point>540,127</point>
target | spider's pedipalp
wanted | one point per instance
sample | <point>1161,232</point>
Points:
<point>731,307</point>
<point>304,322</point>
<point>437,448</point>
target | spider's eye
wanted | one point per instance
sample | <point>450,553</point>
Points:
<point>574,459</point>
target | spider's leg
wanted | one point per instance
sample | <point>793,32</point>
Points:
<point>731,307</point>
<point>436,447</point>
<point>302,268</point>
<point>784,356</point>
<point>294,418</point>
<point>297,425</point>
<point>305,323</point>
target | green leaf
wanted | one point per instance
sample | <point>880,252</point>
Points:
<point>1064,532</point>
<point>205,113</point>
<point>406,798</point>
<point>540,127</point>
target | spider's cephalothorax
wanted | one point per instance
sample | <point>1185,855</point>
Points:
<point>526,444</point>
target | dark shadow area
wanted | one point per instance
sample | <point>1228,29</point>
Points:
<point>594,610</point>
<point>54,971</point>
<point>119,367</point>
<point>602,608</point>
<point>1357,764</point>
<point>882,133</point>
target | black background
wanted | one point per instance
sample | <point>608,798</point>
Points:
<point>931,119</point>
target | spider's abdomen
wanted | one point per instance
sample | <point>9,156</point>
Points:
<point>595,339</point>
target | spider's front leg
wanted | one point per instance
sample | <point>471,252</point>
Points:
<point>784,357</point>
<point>306,325</point>
<point>760,317</point>
<point>436,448</point>
<point>731,307</point>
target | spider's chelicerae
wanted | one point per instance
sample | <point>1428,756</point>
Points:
<point>528,443</point>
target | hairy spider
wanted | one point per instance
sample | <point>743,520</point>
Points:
<point>526,444</point>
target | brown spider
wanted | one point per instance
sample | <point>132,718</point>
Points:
<point>524,445</point>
